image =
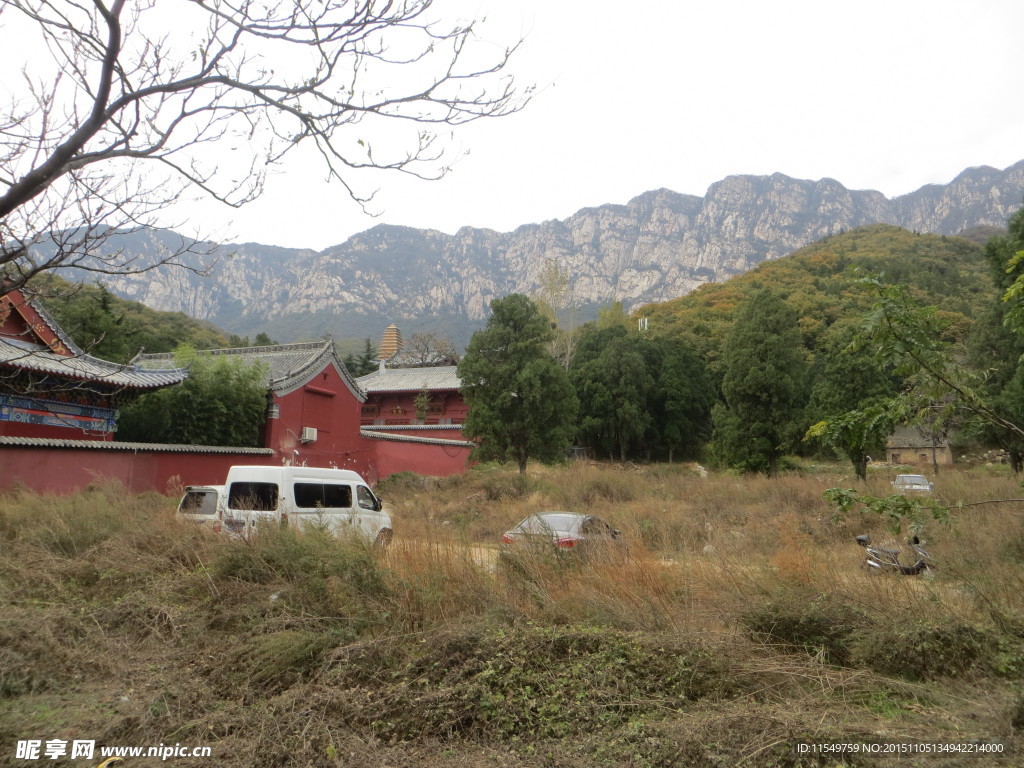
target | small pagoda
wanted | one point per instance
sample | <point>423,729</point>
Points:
<point>391,342</point>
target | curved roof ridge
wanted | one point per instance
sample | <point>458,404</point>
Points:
<point>373,435</point>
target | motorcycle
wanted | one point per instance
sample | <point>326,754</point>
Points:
<point>886,557</point>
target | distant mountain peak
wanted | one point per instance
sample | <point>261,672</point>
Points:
<point>659,245</point>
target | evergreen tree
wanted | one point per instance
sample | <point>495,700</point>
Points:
<point>613,388</point>
<point>367,360</point>
<point>263,340</point>
<point>852,380</point>
<point>764,367</point>
<point>364,363</point>
<point>1005,256</point>
<point>683,398</point>
<point>91,318</point>
<point>521,404</point>
<point>116,329</point>
<point>997,348</point>
<point>640,394</point>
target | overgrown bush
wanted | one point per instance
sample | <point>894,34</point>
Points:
<point>70,525</point>
<point>299,648</point>
<point>334,575</point>
<point>268,664</point>
<point>820,626</point>
<point>924,652</point>
<point>530,682</point>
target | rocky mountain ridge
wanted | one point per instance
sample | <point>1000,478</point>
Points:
<point>658,246</point>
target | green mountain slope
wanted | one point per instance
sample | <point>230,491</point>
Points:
<point>818,281</point>
<point>117,329</point>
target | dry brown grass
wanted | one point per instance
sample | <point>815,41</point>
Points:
<point>735,596</point>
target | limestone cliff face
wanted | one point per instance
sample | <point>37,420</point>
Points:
<point>658,246</point>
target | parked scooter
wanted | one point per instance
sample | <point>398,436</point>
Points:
<point>884,558</point>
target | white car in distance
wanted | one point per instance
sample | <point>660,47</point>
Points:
<point>912,484</point>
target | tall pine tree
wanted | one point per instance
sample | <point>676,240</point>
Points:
<point>521,404</point>
<point>763,385</point>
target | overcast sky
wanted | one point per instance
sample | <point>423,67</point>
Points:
<point>887,95</point>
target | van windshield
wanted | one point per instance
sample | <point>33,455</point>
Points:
<point>255,496</point>
<point>366,498</point>
<point>322,495</point>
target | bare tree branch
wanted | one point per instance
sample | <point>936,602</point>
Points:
<point>137,102</point>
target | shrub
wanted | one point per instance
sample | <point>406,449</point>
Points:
<point>924,652</point>
<point>401,482</point>
<point>820,627</point>
<point>271,663</point>
<point>331,575</point>
<point>529,682</point>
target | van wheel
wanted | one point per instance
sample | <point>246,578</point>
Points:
<point>384,537</point>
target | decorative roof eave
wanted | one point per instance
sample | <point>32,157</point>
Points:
<point>43,327</point>
<point>82,367</point>
<point>107,445</point>
<point>405,390</point>
<point>56,329</point>
<point>295,379</point>
<point>374,435</point>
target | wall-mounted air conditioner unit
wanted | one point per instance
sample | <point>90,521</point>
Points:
<point>308,434</point>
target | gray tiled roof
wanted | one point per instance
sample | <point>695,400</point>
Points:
<point>911,437</point>
<point>411,379</point>
<point>416,427</point>
<point>375,435</point>
<point>105,445</point>
<point>35,357</point>
<point>287,366</point>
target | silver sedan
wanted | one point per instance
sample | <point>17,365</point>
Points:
<point>566,530</point>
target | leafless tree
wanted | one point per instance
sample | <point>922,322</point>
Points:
<point>125,106</point>
<point>556,298</point>
<point>429,348</point>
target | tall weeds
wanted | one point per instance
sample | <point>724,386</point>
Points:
<point>748,590</point>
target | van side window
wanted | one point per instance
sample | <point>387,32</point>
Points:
<point>255,496</point>
<point>199,503</point>
<point>366,498</point>
<point>322,495</point>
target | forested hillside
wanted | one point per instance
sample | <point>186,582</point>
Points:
<point>116,329</point>
<point>783,348</point>
<point>819,283</point>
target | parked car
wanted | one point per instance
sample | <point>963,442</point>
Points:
<point>912,484</point>
<point>338,499</point>
<point>563,530</point>
<point>203,505</point>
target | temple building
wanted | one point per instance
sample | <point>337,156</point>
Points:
<point>427,396</point>
<point>59,405</point>
<point>50,388</point>
<point>313,402</point>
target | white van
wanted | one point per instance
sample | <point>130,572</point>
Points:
<point>338,499</point>
<point>203,505</point>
